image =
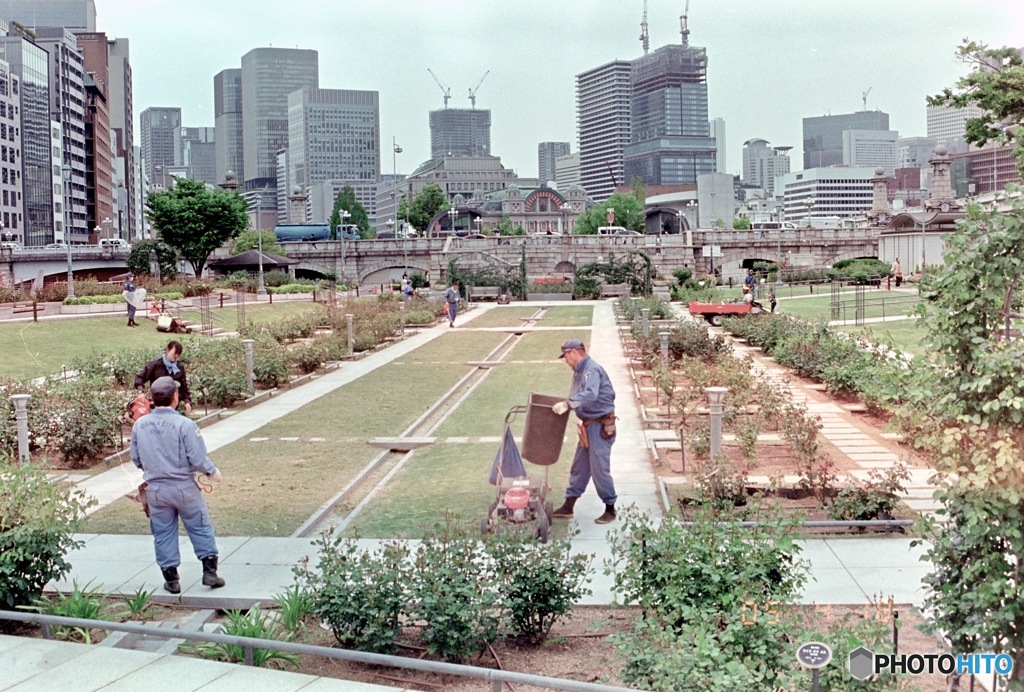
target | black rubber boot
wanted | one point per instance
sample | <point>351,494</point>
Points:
<point>210,577</point>
<point>565,511</point>
<point>171,583</point>
<point>608,516</point>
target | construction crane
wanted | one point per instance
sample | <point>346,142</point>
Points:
<point>447,91</point>
<point>645,39</point>
<point>472,89</point>
<point>684,27</point>
<point>864,98</point>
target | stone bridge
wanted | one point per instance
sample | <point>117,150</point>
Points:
<point>378,261</point>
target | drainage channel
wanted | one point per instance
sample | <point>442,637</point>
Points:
<point>339,511</point>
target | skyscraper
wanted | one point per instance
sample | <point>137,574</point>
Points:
<point>77,15</point>
<point>269,75</point>
<point>717,131</point>
<point>227,110</point>
<point>156,127</point>
<point>949,125</point>
<point>11,189</point>
<point>823,135</point>
<point>67,74</point>
<point>195,150</point>
<point>333,134</point>
<point>127,184</point>
<point>29,63</point>
<point>460,132</point>
<point>874,148</point>
<point>669,141</point>
<point>547,152</point>
<point>602,120</point>
<point>762,164</point>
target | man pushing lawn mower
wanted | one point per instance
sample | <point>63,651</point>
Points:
<point>592,397</point>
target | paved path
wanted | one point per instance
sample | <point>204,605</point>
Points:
<point>842,570</point>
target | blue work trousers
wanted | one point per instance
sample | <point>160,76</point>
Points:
<point>168,502</point>
<point>594,463</point>
<point>453,310</point>
<point>131,311</point>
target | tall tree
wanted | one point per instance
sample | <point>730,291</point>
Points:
<point>423,207</point>
<point>196,221</point>
<point>346,200</point>
<point>996,84</point>
<point>249,239</point>
<point>966,401</point>
<point>628,214</point>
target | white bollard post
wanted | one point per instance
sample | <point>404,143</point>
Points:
<point>664,346</point>
<point>250,381</point>
<point>716,395</point>
<point>351,335</point>
<point>21,415</point>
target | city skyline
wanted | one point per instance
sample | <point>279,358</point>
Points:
<point>771,63</point>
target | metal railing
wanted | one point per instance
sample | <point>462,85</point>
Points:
<point>497,677</point>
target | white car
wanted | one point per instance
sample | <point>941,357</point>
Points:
<point>114,243</point>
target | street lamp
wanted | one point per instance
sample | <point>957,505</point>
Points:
<point>66,170</point>
<point>107,224</point>
<point>342,214</point>
<point>778,255</point>
<point>99,232</point>
<point>451,216</point>
<point>261,290</point>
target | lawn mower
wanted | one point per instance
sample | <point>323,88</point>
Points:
<point>521,501</point>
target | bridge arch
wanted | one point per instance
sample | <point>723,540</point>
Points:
<point>658,220</point>
<point>438,221</point>
<point>389,270</point>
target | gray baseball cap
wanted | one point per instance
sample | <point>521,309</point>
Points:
<point>164,386</point>
<point>570,345</point>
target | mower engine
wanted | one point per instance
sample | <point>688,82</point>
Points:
<point>516,501</point>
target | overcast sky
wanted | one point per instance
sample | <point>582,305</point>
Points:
<point>770,62</point>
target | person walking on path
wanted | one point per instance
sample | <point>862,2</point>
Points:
<point>451,298</point>
<point>750,282</point>
<point>169,449</point>
<point>897,272</point>
<point>407,290</point>
<point>167,365</point>
<point>130,298</point>
<point>592,397</point>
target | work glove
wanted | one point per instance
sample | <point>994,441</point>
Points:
<point>215,476</point>
<point>560,408</point>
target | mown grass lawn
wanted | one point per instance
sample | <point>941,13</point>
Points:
<point>451,477</point>
<point>501,316</point>
<point>546,345</point>
<point>36,349</point>
<point>271,487</point>
<point>877,304</point>
<point>906,334</point>
<point>456,346</point>
<point>568,316</point>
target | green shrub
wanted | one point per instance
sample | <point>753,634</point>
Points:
<point>291,288</point>
<point>271,363</point>
<point>538,582</point>
<point>587,288</point>
<point>877,497</point>
<point>453,594</point>
<point>9,294</point>
<point>309,356</point>
<point>123,366</point>
<point>86,418</point>
<point>38,520</point>
<point>216,370</point>
<point>358,593</point>
<point>277,278</point>
<point>698,586</point>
